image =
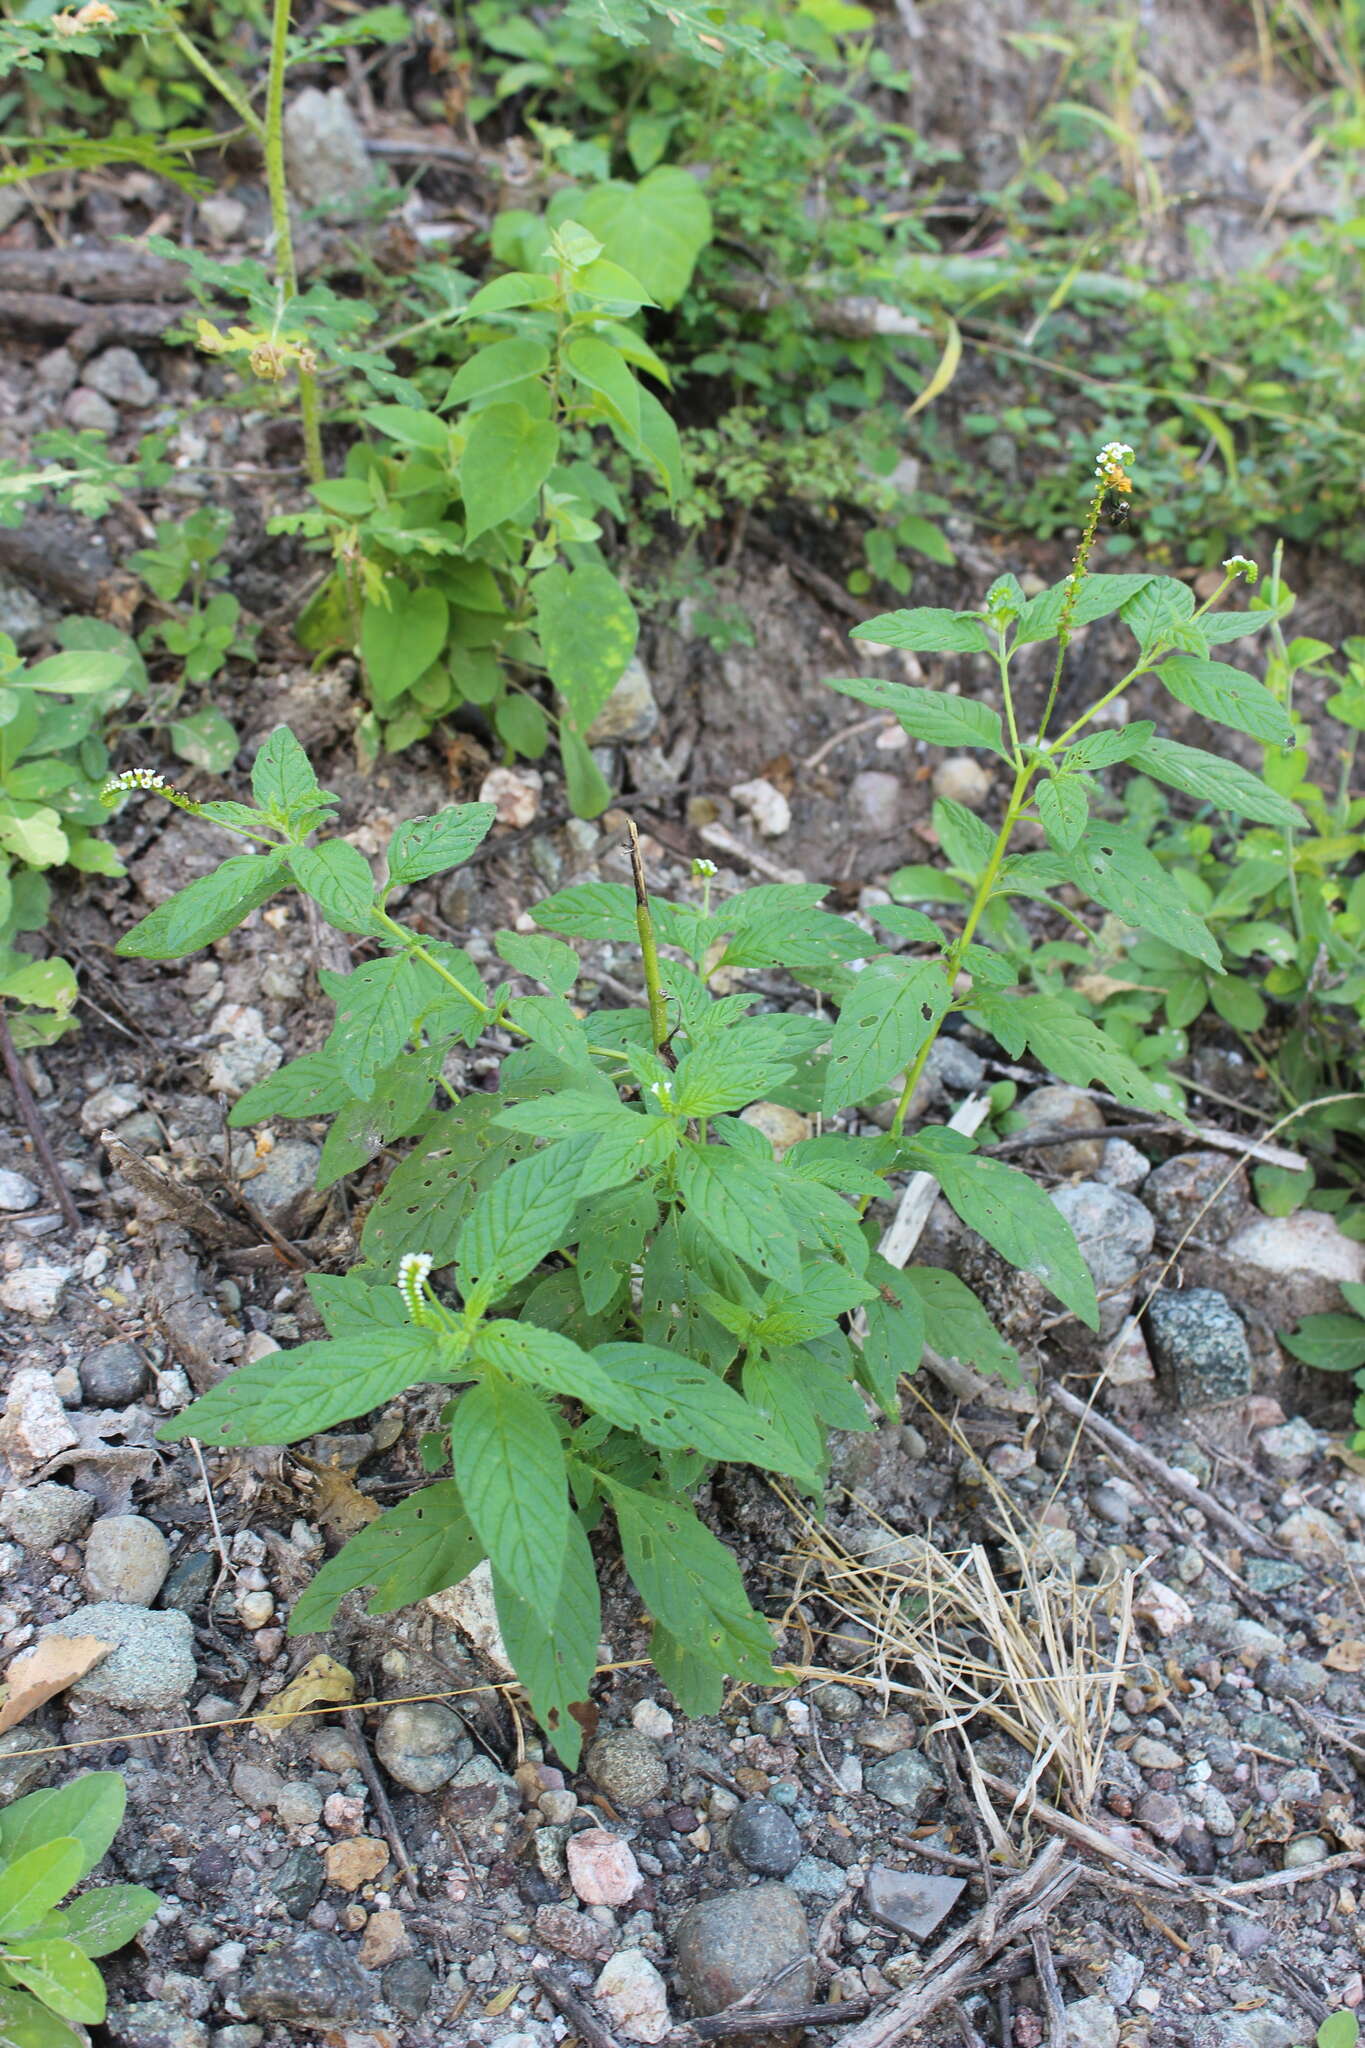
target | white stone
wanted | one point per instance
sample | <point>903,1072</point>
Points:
<point>652,1720</point>
<point>962,780</point>
<point>35,1291</point>
<point>34,1428</point>
<point>1162,1608</point>
<point>1307,1242</point>
<point>782,1127</point>
<point>470,1608</point>
<point>630,712</point>
<point>632,1994</point>
<point>767,806</point>
<point>514,793</point>
<point>17,1193</point>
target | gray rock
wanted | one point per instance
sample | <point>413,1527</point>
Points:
<point>107,1107</point>
<point>240,2035</point>
<point>1091,2023</point>
<point>874,804</point>
<point>1295,1264</point>
<point>1268,1731</point>
<point>1263,2028</point>
<point>57,371</point>
<point>1187,1193</point>
<point>1115,1234</point>
<point>1150,1755</point>
<point>765,1839</point>
<point>1058,1108</point>
<point>35,1291</point>
<point>836,1702</point>
<point>912,1901</point>
<point>256,1785</point>
<point>1199,1339</point>
<point>1126,1971</point>
<point>189,1582</point>
<point>222,217</point>
<point>89,412</point>
<point>117,374</point>
<point>1246,1938</point>
<point>1312,1536</point>
<point>239,1063</point>
<point>22,614</point>
<point>729,1944</point>
<point>126,1559</point>
<point>1290,1449</point>
<point>1305,1850</point>
<point>20,1772</point>
<point>1161,1815</point>
<point>298,1882</point>
<point>154,2024</point>
<point>422,1745</point>
<point>631,712</point>
<point>299,1804</point>
<point>1296,1678</point>
<point>307,1981</point>
<point>114,1375</point>
<point>1123,1166</point>
<point>16,1193</point>
<point>41,1517</point>
<point>408,1984</point>
<point>626,1766</point>
<point>1112,1506</point>
<point>324,146</point>
<point>814,1877</point>
<point>906,1780</point>
<point>289,1170</point>
<point>151,1663</point>
<point>34,1427</point>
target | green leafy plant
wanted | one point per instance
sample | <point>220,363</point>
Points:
<point>1339,2030</point>
<point>603,1268</point>
<point>53,764</point>
<point>1335,1342</point>
<point>49,1842</point>
<point>200,629</point>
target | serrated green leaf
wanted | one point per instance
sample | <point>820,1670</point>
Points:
<point>956,1324</point>
<point>337,877</point>
<point>890,1010</point>
<point>1228,696</point>
<point>1071,1047</point>
<point>591,910</point>
<point>429,846</point>
<point>929,629</point>
<point>293,1394</point>
<point>931,715</point>
<point>1163,604</point>
<point>1215,781</point>
<point>691,1585</point>
<point>1014,1216</point>
<point>409,1552</point>
<point>1112,865</point>
<point>735,1201</point>
<point>726,1073</point>
<point>546,960</point>
<point>680,1406</point>
<point>509,1466</point>
<point>423,1205</point>
<point>400,1100</point>
<point>790,1421</point>
<point>556,1661</point>
<point>519,1219</point>
<point>893,1339</point>
<point>1097,597</point>
<point>207,909</point>
<point>282,778</point>
<point>375,1007</point>
<point>308,1086</point>
<point>1064,810</point>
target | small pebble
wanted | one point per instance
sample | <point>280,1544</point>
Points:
<point>17,1193</point>
<point>126,1559</point>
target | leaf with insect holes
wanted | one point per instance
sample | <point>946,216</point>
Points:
<point>893,1337</point>
<point>1114,867</point>
<point>424,1202</point>
<point>1070,1046</point>
<point>408,1553</point>
<point>509,1467</point>
<point>282,778</point>
<point>1064,810</point>
<point>421,847</point>
<point>1227,695</point>
<point>1214,781</point>
<point>293,1394</point>
<point>375,1007</point>
<point>1012,1213</point>
<point>886,1016</point>
<point>930,715</point>
<point>556,1659</point>
<point>522,1216</point>
<point>207,909</point>
<point>690,1583</point>
<point>735,1201</point>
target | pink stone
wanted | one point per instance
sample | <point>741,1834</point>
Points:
<point>602,1868</point>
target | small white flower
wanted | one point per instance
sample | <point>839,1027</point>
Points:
<point>133,778</point>
<point>704,870</point>
<point>413,1271</point>
<point>1241,565</point>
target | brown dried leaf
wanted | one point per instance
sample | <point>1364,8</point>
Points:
<point>322,1682</point>
<point>39,1674</point>
<point>1347,1656</point>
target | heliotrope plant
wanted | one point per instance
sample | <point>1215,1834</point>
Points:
<point>603,1267</point>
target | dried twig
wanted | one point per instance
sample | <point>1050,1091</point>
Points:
<point>33,1124</point>
<point>355,1728</point>
<point>1169,1477</point>
<point>1022,1904</point>
<point>1045,1970</point>
<point>574,2009</point>
<point>725,2027</point>
<point>1159,1876</point>
<point>1350,1859</point>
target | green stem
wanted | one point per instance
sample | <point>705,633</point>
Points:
<point>224,87</point>
<point>285,269</point>
<point>649,951</point>
<point>1074,582</point>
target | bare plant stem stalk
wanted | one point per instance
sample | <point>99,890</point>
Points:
<point>649,951</point>
<point>285,269</point>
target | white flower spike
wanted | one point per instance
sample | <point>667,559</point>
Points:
<point>133,778</point>
<point>1241,565</point>
<point>413,1271</point>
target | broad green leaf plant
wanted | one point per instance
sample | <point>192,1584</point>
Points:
<point>50,1989</point>
<point>602,1269</point>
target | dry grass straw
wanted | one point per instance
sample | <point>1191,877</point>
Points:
<point>1004,1634</point>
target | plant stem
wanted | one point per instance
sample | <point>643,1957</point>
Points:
<point>649,951</point>
<point>285,269</point>
<point>224,87</point>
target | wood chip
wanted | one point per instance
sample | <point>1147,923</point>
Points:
<point>39,1674</point>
